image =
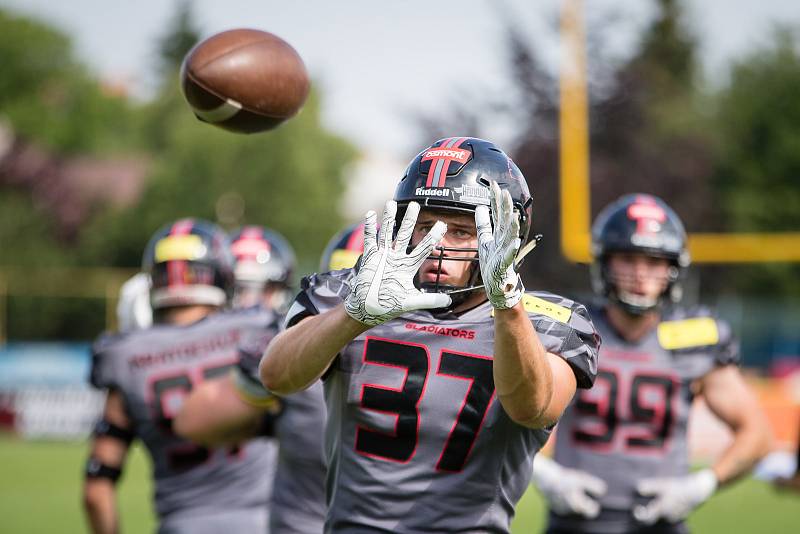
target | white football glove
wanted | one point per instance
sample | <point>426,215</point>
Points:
<point>674,498</point>
<point>568,491</point>
<point>384,286</point>
<point>133,308</point>
<point>497,250</point>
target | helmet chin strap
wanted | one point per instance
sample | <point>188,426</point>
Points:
<point>636,304</point>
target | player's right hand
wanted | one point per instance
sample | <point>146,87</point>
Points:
<point>568,491</point>
<point>384,285</point>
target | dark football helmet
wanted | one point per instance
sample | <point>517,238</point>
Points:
<point>189,263</point>
<point>454,174</point>
<point>644,224</point>
<point>263,260</point>
<point>344,249</point>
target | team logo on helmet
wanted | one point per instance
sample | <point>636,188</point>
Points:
<point>444,158</point>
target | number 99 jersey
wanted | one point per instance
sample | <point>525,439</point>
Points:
<point>154,370</point>
<point>633,423</point>
<point>416,439</point>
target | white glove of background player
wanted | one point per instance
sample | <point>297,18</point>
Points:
<point>133,308</point>
<point>674,498</point>
<point>497,250</point>
<point>569,491</point>
<point>384,286</point>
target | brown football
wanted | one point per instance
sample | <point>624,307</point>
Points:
<point>244,80</point>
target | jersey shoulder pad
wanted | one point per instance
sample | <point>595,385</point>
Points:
<point>104,352</point>
<point>318,294</point>
<point>565,329</point>
<point>698,330</point>
<point>547,304</point>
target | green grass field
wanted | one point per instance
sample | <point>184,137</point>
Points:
<point>40,493</point>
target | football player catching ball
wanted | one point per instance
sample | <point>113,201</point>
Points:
<point>442,375</point>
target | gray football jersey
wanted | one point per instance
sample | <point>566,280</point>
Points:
<point>416,440</point>
<point>154,369</point>
<point>298,494</point>
<point>632,424</point>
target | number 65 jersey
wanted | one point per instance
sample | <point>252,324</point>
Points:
<point>633,423</point>
<point>416,439</point>
<point>154,370</point>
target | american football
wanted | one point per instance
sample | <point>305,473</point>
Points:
<point>244,80</point>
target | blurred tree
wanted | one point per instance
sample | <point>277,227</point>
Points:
<point>647,133</point>
<point>758,160</point>
<point>181,35</point>
<point>48,96</point>
<point>66,128</point>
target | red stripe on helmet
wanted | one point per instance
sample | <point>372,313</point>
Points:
<point>250,243</point>
<point>251,232</point>
<point>176,269</point>
<point>446,166</point>
<point>433,176</point>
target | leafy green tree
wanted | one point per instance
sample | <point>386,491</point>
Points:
<point>181,35</point>
<point>290,179</point>
<point>758,158</point>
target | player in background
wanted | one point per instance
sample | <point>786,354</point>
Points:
<point>148,372</point>
<point>441,374</point>
<point>221,411</point>
<point>263,266</point>
<point>621,459</point>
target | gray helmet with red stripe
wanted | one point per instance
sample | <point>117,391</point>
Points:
<point>189,263</point>
<point>454,174</point>
<point>263,266</point>
<point>261,256</point>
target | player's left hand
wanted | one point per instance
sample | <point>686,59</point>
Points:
<point>497,249</point>
<point>674,498</point>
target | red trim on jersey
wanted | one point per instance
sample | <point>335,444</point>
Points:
<point>660,413</point>
<point>195,376</point>
<point>461,408</point>
<point>625,355</point>
<point>603,401</point>
<point>364,385</point>
<point>627,427</point>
